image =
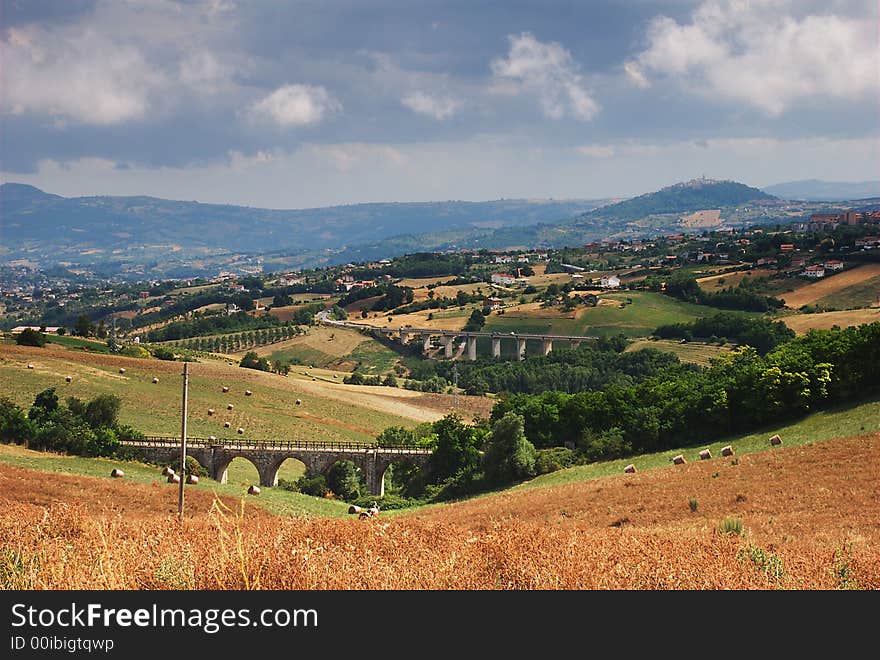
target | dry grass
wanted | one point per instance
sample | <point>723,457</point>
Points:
<point>827,287</point>
<point>801,323</point>
<point>808,513</point>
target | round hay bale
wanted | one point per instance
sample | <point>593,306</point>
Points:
<point>354,508</point>
<point>155,380</point>
<point>727,450</point>
<point>705,455</point>
<point>167,471</point>
<point>68,379</point>
<point>229,406</point>
<point>775,440</point>
<point>30,366</point>
<point>227,424</point>
<point>248,393</point>
<point>225,389</point>
<point>122,370</point>
<point>334,375</point>
<point>254,490</point>
<point>210,411</point>
<point>116,473</point>
<point>679,460</point>
<point>240,430</point>
<point>192,479</point>
<point>630,469</point>
<point>173,478</point>
<point>299,402</point>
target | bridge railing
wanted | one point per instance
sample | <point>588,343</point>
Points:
<point>245,443</point>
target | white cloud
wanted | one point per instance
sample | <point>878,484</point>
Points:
<point>240,161</point>
<point>347,156</point>
<point>81,75</point>
<point>439,108</point>
<point>548,70</point>
<point>296,105</point>
<point>762,54</point>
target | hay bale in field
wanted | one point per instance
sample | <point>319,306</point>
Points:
<point>727,451</point>
<point>679,460</point>
<point>155,380</point>
<point>116,473</point>
<point>705,455</point>
<point>225,389</point>
<point>354,508</point>
<point>254,490</point>
<point>630,469</point>
<point>68,379</point>
<point>210,411</point>
<point>192,479</point>
<point>240,430</point>
<point>173,478</point>
<point>248,393</point>
<point>298,402</point>
<point>775,440</point>
<point>227,424</point>
<point>229,406</point>
<point>167,471</point>
<point>30,366</point>
<point>122,370</point>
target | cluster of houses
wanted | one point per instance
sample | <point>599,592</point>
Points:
<point>830,221</point>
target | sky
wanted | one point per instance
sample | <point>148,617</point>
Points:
<point>317,103</point>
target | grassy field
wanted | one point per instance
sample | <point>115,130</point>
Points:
<point>830,287</point>
<point>336,348</point>
<point>241,475</point>
<point>802,323</point>
<point>791,518</point>
<point>862,294</point>
<point>694,352</point>
<point>818,427</point>
<point>612,316</point>
<point>713,283</point>
<point>78,343</point>
<point>328,411</point>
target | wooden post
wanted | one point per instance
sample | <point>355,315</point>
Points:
<point>183,442</point>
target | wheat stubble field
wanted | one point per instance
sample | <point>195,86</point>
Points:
<point>797,518</point>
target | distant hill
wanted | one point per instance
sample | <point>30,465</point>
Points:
<point>127,232</point>
<point>814,189</point>
<point>695,195</point>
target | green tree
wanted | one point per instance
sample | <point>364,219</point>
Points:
<point>103,411</point>
<point>457,449</point>
<point>14,424</point>
<point>30,337</point>
<point>509,455</point>
<point>342,479</point>
<point>83,326</point>
<point>45,403</point>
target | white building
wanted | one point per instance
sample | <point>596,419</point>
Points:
<point>503,278</point>
<point>609,282</point>
<point>814,272</point>
<point>833,264</point>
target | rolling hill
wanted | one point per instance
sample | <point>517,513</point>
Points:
<point>814,189</point>
<point>118,232</point>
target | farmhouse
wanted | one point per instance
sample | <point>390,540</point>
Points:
<point>609,282</point>
<point>814,272</point>
<point>492,304</point>
<point>503,278</point>
<point>787,247</point>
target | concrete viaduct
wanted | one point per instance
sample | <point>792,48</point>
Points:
<point>267,456</point>
<point>448,337</point>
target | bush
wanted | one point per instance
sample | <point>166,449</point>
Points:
<point>312,485</point>
<point>387,502</point>
<point>553,459</point>
<point>30,337</point>
<point>135,351</point>
<point>14,424</point>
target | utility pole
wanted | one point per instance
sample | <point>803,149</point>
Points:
<point>183,442</point>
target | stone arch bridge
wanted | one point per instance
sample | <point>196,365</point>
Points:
<point>267,456</point>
